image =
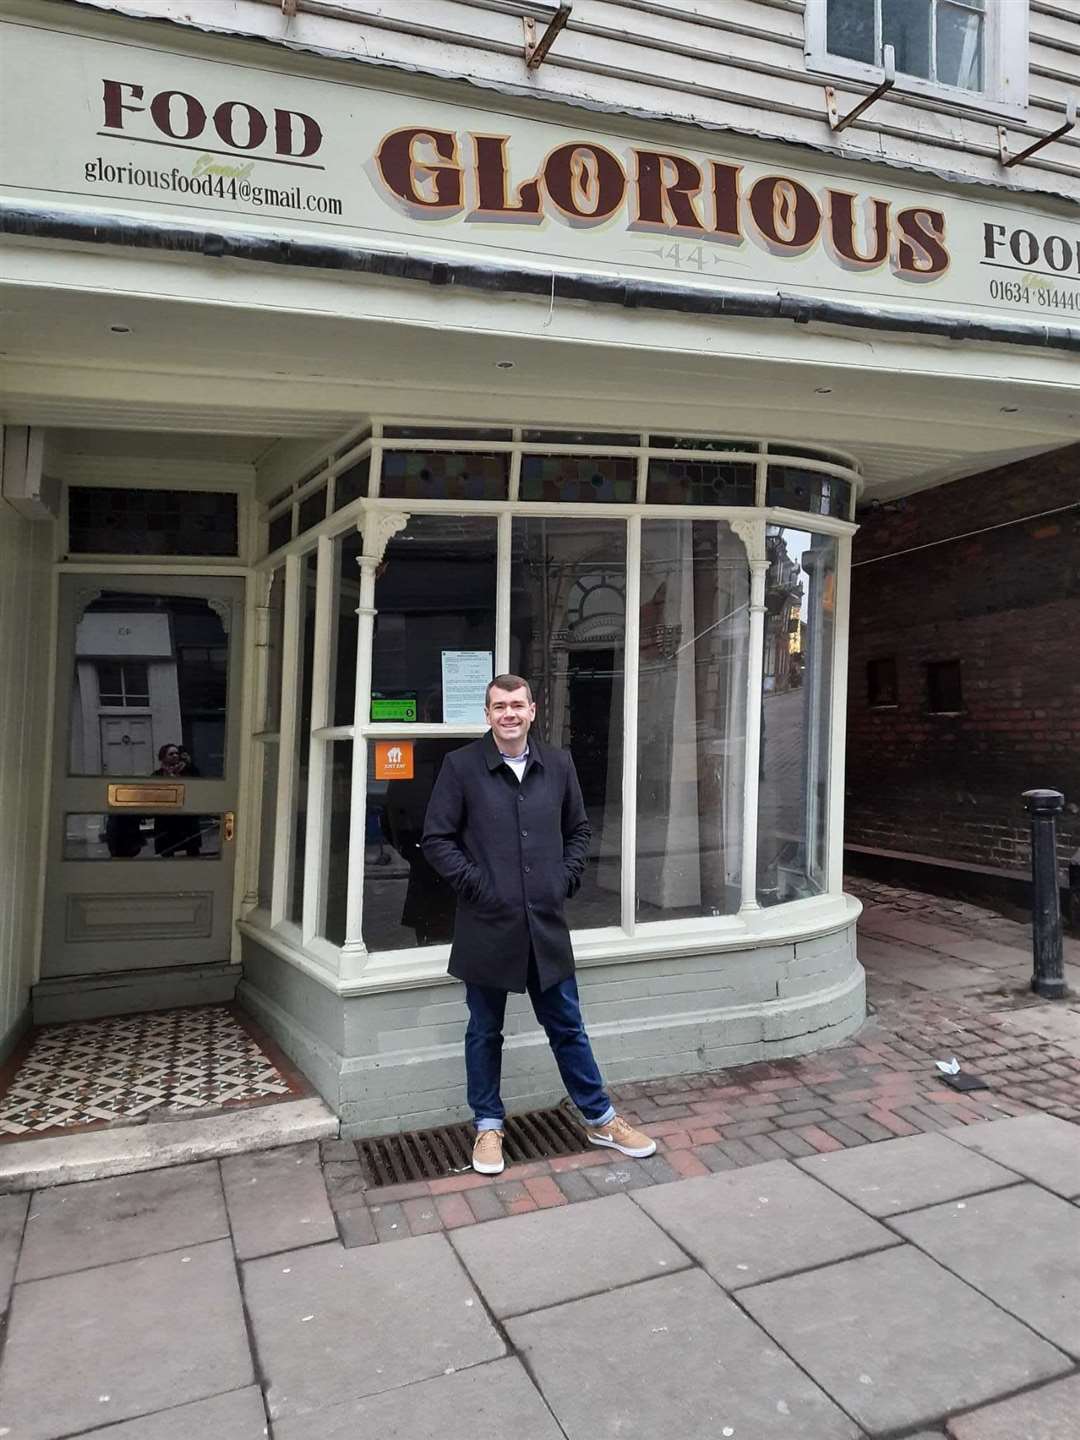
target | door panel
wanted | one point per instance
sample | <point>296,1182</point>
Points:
<point>149,677</point>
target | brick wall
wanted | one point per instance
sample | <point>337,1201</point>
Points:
<point>1006,604</point>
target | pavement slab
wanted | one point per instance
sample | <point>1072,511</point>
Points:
<point>238,1415</point>
<point>1020,1247</point>
<point>689,1364</point>
<point>73,1227</point>
<point>277,1200</point>
<point>1041,1147</point>
<point>906,1174</point>
<point>103,1345</point>
<point>12,1220</point>
<point>750,1225</point>
<point>898,1341</point>
<point>529,1261</point>
<point>333,1325</point>
<point>493,1400</point>
<point>1052,1412</point>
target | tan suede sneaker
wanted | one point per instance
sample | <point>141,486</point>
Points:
<point>617,1134</point>
<point>487,1156</point>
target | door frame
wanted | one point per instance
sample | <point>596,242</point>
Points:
<point>244,887</point>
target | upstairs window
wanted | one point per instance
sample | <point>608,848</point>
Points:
<point>973,52</point>
<point>944,688</point>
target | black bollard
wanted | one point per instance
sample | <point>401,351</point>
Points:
<point>1048,978</point>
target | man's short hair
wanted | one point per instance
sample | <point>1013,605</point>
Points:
<point>507,682</point>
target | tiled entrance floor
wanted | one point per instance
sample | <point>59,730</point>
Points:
<point>97,1072</point>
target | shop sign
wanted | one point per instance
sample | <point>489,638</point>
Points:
<point>395,710</point>
<point>393,760</point>
<point>149,130</point>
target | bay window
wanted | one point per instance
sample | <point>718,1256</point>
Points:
<point>673,601</point>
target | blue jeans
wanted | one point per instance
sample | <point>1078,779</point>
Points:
<point>559,1011</point>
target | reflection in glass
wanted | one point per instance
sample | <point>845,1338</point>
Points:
<point>800,598</point>
<point>405,902</point>
<point>960,44</point>
<point>267,823</point>
<point>342,700</point>
<point>794,489</point>
<point>691,718</point>
<point>435,593</point>
<point>568,638</point>
<point>339,779</point>
<point>275,639</point>
<point>308,567</point>
<point>850,30</point>
<point>149,693</point>
<point>905,25</point>
<point>125,835</point>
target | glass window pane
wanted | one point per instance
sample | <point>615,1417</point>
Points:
<point>267,823</point>
<point>594,439</point>
<point>695,592</point>
<point>699,482</point>
<point>312,510</point>
<point>122,835</point>
<point>437,432</point>
<point>339,779</point>
<point>342,701</point>
<point>275,639</point>
<point>959,46</point>
<point>279,531</point>
<point>695,442</point>
<point>116,521</point>
<point>809,490</point>
<point>568,638</point>
<point>149,692</point>
<point>905,25</point>
<point>417,475</point>
<point>352,484</point>
<point>800,599</point>
<point>583,479</point>
<point>435,595</point>
<point>308,568</point>
<point>850,30</point>
<point>405,902</point>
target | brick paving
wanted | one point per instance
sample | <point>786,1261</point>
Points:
<point>881,1085</point>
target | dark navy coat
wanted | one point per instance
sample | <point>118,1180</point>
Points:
<point>513,853</point>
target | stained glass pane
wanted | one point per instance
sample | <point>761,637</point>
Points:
<point>699,482</point>
<point>581,479</point>
<point>808,490</point>
<point>418,475</point>
<point>115,521</point>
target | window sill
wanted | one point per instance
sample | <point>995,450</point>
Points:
<point>387,970</point>
<point>927,95</point>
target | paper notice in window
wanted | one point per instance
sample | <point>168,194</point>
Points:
<point>465,677</point>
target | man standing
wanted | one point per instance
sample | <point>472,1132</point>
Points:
<point>506,827</point>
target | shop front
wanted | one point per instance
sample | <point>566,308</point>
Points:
<point>467,392</point>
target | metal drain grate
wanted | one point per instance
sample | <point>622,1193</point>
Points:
<point>429,1154</point>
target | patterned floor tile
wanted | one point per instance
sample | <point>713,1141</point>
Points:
<point>97,1072</point>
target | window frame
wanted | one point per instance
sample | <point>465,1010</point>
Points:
<point>1005,63</point>
<point>351,964</point>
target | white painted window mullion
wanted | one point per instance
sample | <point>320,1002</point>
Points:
<point>834,820</point>
<point>502,593</point>
<point>314,908</point>
<point>752,532</point>
<point>290,687</point>
<point>631,653</point>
